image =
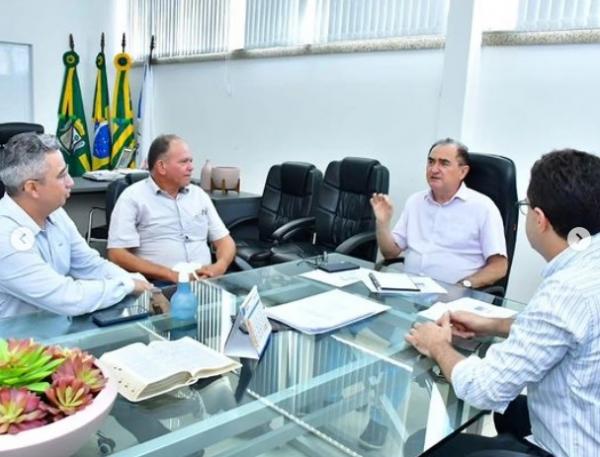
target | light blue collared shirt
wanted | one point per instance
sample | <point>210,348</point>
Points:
<point>60,273</point>
<point>554,350</point>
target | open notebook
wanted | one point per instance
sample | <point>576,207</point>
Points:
<point>145,371</point>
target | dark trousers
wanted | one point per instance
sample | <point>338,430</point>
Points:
<point>512,426</point>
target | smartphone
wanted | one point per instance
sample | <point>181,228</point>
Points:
<point>338,266</point>
<point>117,316</point>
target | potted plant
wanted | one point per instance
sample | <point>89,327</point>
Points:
<point>51,398</point>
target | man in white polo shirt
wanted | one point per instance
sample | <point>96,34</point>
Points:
<point>449,232</point>
<point>163,220</point>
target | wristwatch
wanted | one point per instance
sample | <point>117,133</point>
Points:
<point>466,283</point>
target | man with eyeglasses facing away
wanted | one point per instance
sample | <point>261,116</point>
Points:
<point>552,347</point>
<point>44,262</point>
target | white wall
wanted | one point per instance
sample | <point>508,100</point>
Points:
<point>533,99</point>
<point>46,26</point>
<point>253,113</point>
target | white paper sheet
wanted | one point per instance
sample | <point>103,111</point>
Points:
<point>340,279</point>
<point>467,304</point>
<point>325,312</point>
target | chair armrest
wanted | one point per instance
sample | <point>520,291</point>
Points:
<point>386,262</point>
<point>493,290</point>
<point>242,264</point>
<point>350,245</point>
<point>241,221</point>
<point>497,453</point>
<point>93,210</point>
<point>287,231</point>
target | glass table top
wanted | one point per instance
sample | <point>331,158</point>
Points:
<point>306,395</point>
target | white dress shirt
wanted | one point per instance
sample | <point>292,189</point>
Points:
<point>60,273</point>
<point>449,241</point>
<point>163,229</point>
<point>554,350</point>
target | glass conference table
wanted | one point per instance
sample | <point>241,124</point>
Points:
<point>306,396</point>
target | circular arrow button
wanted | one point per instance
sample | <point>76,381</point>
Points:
<point>579,239</point>
<point>22,239</point>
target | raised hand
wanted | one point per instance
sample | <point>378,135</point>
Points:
<point>382,208</point>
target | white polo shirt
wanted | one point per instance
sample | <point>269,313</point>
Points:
<point>163,229</point>
<point>449,241</point>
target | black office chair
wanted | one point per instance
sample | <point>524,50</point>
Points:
<point>344,220</point>
<point>99,234</point>
<point>496,177</point>
<point>10,129</point>
<point>290,193</point>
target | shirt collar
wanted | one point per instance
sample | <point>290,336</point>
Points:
<point>157,190</point>
<point>462,193</point>
<point>20,216</point>
<point>569,255</point>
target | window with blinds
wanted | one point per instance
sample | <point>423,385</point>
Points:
<point>192,27</point>
<point>181,27</point>
<point>343,20</point>
<point>536,15</point>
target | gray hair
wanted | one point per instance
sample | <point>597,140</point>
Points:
<point>462,152</point>
<point>24,158</point>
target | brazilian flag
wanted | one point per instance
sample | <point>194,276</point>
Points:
<point>123,132</point>
<point>72,130</point>
<point>101,115</point>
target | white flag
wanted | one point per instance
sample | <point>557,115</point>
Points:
<point>145,119</point>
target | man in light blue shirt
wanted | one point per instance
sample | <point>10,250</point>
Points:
<point>552,348</point>
<point>44,261</point>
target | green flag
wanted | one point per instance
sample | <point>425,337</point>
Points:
<point>123,132</point>
<point>72,129</point>
<point>101,116</point>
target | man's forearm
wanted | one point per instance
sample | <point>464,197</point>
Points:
<point>446,357</point>
<point>225,252</point>
<point>502,327</point>
<point>131,262</point>
<point>388,247</point>
<point>495,269</point>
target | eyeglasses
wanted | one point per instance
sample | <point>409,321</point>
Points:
<point>524,206</point>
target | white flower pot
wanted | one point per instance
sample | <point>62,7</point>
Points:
<point>64,437</point>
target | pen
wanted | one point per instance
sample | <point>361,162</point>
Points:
<point>375,282</point>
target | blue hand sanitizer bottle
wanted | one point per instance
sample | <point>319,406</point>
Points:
<point>183,302</point>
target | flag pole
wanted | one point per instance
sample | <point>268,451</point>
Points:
<point>152,45</point>
<point>71,42</point>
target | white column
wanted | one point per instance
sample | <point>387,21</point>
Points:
<point>461,70</point>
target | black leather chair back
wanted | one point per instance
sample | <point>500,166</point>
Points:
<point>10,129</point>
<point>290,193</point>
<point>496,177</point>
<point>344,209</point>
<point>113,191</point>
<point>115,188</point>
